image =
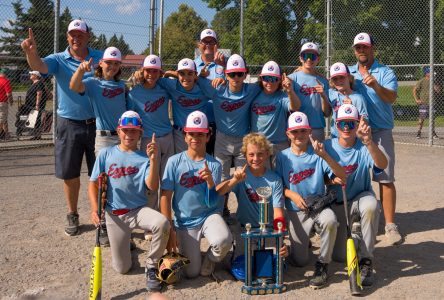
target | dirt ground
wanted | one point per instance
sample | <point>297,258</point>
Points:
<point>38,261</point>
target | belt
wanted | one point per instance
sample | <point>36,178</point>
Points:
<point>177,127</point>
<point>86,122</point>
<point>107,132</point>
<point>119,212</point>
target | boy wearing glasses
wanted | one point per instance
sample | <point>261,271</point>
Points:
<point>312,90</point>
<point>302,168</point>
<point>270,109</point>
<point>231,106</point>
<point>356,153</point>
<point>341,92</point>
<point>129,173</point>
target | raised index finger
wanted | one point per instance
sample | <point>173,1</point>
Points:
<point>205,165</point>
<point>153,138</point>
<point>30,34</point>
<point>311,139</point>
<point>319,83</point>
<point>244,168</point>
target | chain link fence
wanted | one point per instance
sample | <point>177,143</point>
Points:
<point>260,30</point>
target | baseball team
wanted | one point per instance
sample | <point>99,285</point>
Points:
<point>171,178</point>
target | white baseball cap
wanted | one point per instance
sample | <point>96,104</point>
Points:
<point>208,33</point>
<point>364,39</point>
<point>298,120</point>
<point>196,122</point>
<point>347,112</point>
<point>36,73</point>
<point>152,62</point>
<point>130,119</point>
<point>338,69</point>
<point>186,64</point>
<point>112,53</point>
<point>78,25</point>
<point>309,46</point>
<point>271,68</point>
<point>235,64</point>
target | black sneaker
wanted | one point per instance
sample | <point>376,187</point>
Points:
<point>103,235</point>
<point>319,279</point>
<point>366,272</point>
<point>152,283</point>
<point>73,224</point>
<point>435,136</point>
<point>418,135</point>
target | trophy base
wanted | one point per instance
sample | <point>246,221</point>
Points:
<point>264,290</point>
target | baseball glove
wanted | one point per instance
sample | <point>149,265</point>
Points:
<point>169,267</point>
<point>317,203</point>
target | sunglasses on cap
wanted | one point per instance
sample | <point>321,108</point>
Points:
<point>307,55</point>
<point>133,121</point>
<point>349,124</point>
<point>271,79</point>
<point>234,74</point>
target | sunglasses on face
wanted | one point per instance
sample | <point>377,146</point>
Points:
<point>210,43</point>
<point>271,79</point>
<point>307,55</point>
<point>297,131</point>
<point>130,121</point>
<point>349,124</point>
<point>234,74</point>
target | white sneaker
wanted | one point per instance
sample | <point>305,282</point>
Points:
<point>207,267</point>
<point>392,234</point>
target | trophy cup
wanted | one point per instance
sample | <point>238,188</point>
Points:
<point>263,272</point>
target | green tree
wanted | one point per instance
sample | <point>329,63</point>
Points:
<point>181,30</point>
<point>65,19</point>
<point>98,42</point>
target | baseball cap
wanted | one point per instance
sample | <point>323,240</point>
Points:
<point>186,64</point>
<point>271,68</point>
<point>298,120</point>
<point>236,64</point>
<point>78,25</point>
<point>338,69</point>
<point>347,112</point>
<point>364,39</point>
<point>426,70</point>
<point>37,73</point>
<point>112,53</point>
<point>130,119</point>
<point>152,62</point>
<point>196,122</point>
<point>208,33</point>
<point>309,46</point>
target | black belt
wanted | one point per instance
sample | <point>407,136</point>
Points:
<point>177,127</point>
<point>107,132</point>
<point>86,122</point>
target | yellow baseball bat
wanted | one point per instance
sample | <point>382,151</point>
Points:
<point>95,276</point>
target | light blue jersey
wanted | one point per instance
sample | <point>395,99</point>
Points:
<point>356,162</point>
<point>127,172</point>
<point>380,113</point>
<point>269,115</point>
<point>152,106</point>
<point>192,201</point>
<point>183,102</point>
<point>337,99</point>
<point>62,65</point>
<point>311,102</point>
<point>108,100</point>
<point>232,109</point>
<point>303,174</point>
<point>216,71</point>
<point>247,198</point>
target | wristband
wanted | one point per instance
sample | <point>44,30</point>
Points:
<point>282,220</point>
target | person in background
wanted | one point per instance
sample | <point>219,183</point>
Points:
<point>5,101</point>
<point>36,97</point>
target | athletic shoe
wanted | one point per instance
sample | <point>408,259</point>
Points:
<point>418,135</point>
<point>103,235</point>
<point>73,224</point>
<point>435,136</point>
<point>319,279</point>
<point>207,267</point>
<point>367,277</point>
<point>392,234</point>
<point>152,283</point>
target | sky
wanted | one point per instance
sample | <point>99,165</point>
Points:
<point>131,18</point>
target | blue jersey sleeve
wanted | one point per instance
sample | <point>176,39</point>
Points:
<point>168,175</point>
<point>52,63</point>
<point>206,87</point>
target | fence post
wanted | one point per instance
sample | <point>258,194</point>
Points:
<point>241,31</point>
<point>432,77</point>
<point>54,86</point>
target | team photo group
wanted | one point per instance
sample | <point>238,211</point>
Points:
<point>165,149</point>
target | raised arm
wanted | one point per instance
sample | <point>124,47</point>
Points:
<point>76,83</point>
<point>29,46</point>
<point>287,85</point>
